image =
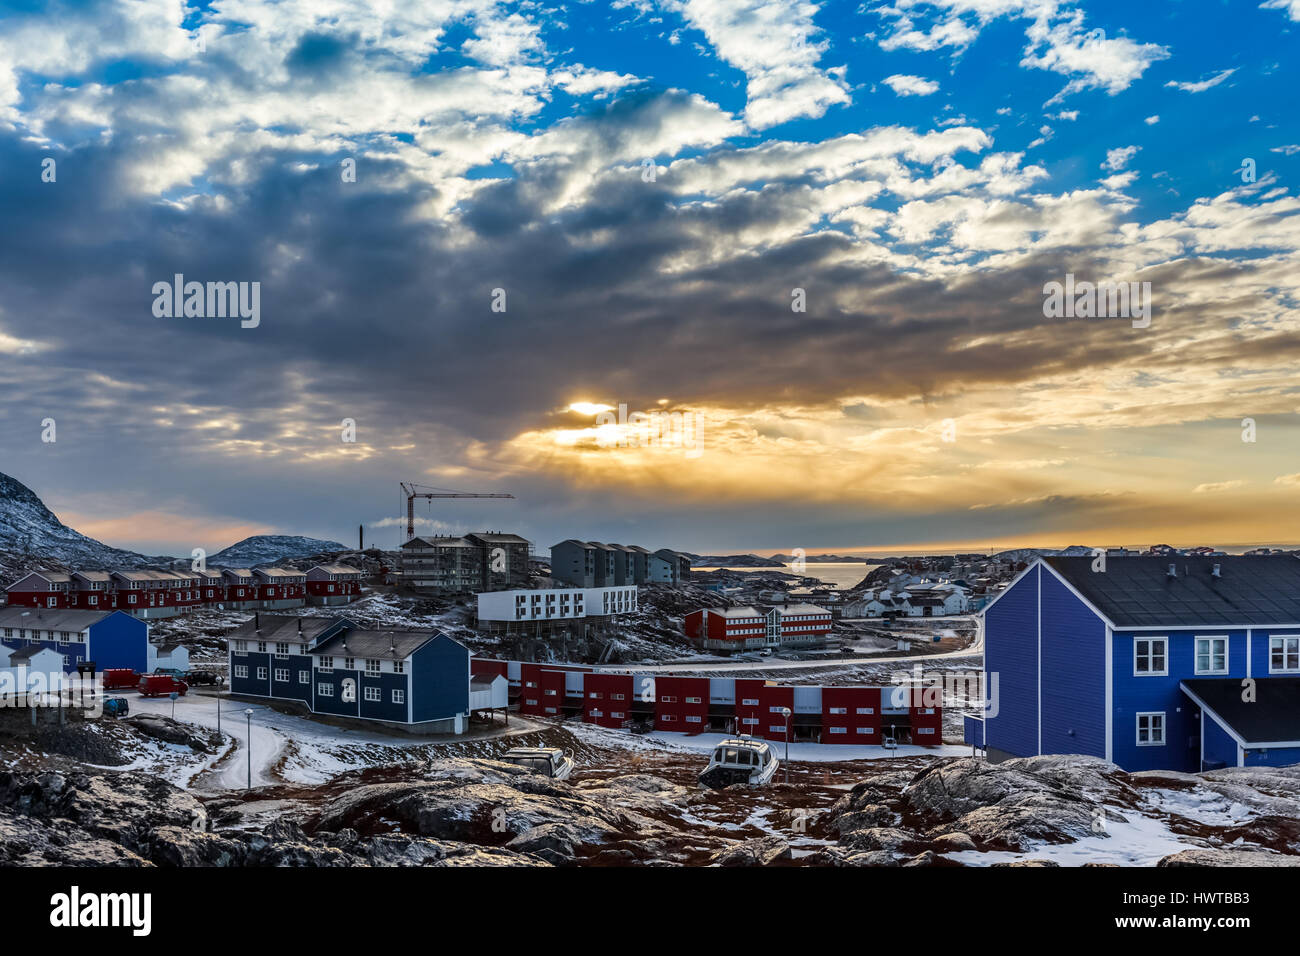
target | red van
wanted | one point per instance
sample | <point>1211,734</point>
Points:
<point>160,685</point>
<point>118,678</point>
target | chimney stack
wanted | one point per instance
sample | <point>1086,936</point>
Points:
<point>1218,571</point>
<point>1172,572</point>
<point>257,622</point>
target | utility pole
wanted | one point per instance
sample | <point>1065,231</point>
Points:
<point>248,723</point>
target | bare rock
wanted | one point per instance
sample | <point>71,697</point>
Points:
<point>1228,857</point>
<point>765,851</point>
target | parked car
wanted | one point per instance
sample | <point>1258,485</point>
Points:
<point>204,678</point>
<point>548,761</point>
<point>161,685</point>
<point>116,707</point>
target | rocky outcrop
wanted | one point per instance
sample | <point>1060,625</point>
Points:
<point>767,851</point>
<point>1228,857</point>
<point>1020,803</point>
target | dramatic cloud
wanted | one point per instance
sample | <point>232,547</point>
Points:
<point>474,231</point>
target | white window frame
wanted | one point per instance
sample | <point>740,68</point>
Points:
<point>399,696</point>
<point>241,671</point>
<point>304,677</point>
<point>374,695</point>
<point>1137,728</point>
<point>1196,655</point>
<point>1284,669</point>
<point>324,690</point>
<point>261,673</point>
<point>1151,638</point>
<point>373,667</point>
<point>278,671</point>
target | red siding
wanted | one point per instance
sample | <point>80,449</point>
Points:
<point>748,688</point>
<point>673,710</point>
<point>770,696</point>
<point>601,705</point>
<point>858,728</point>
<point>927,728</point>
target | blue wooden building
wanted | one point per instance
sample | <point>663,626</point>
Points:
<point>106,638</point>
<point>416,681</point>
<point>1173,662</point>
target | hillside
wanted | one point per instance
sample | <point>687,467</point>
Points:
<point>269,548</point>
<point>32,536</point>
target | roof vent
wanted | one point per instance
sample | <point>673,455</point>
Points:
<point>1173,571</point>
<point>1217,571</point>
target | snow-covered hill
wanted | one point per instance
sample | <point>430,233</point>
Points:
<point>269,548</point>
<point>31,536</point>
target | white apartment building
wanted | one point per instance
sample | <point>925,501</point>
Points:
<point>555,604</point>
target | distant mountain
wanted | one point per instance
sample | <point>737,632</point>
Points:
<point>733,561</point>
<point>1028,554</point>
<point>31,536</point>
<point>270,548</point>
<point>775,561</point>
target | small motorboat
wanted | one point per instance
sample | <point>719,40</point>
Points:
<point>548,761</point>
<point>740,760</point>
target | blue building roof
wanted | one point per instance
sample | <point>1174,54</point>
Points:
<point>1141,592</point>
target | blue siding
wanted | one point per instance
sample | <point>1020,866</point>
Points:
<point>440,680</point>
<point>1134,695</point>
<point>1011,652</point>
<point>334,704</point>
<point>1074,673</point>
<point>973,731</point>
<point>119,640</point>
<point>384,708</point>
<point>1259,654</point>
<point>1273,757</point>
<point>1220,748</point>
<point>292,689</point>
<point>252,684</point>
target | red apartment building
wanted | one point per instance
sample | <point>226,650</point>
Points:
<point>733,629</point>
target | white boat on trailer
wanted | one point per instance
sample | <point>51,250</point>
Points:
<point>548,761</point>
<point>740,760</point>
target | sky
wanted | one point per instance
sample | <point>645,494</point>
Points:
<point>715,275</point>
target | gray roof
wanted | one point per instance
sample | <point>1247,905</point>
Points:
<point>283,628</point>
<point>335,569</point>
<point>494,537</point>
<point>381,645</point>
<point>93,575</point>
<point>51,619</point>
<point>1138,591</point>
<point>279,572</point>
<point>445,542</point>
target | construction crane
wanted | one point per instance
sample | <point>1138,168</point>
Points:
<point>411,494</point>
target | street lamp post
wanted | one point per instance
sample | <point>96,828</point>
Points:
<point>788,714</point>
<point>248,723</point>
